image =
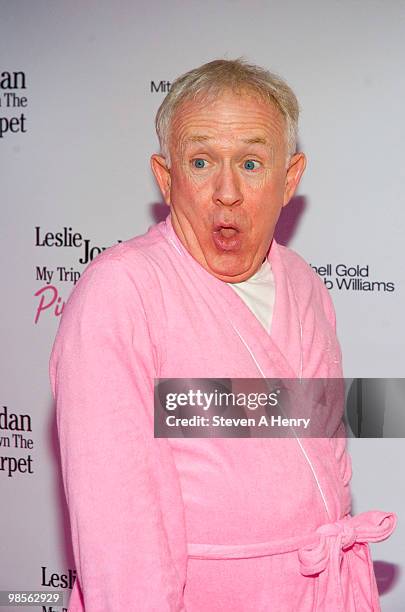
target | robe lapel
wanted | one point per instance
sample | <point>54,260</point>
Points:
<point>278,353</point>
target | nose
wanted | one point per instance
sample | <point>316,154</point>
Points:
<point>227,191</point>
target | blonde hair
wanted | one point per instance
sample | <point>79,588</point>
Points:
<point>237,75</point>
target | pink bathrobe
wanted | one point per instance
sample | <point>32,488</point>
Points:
<point>200,525</point>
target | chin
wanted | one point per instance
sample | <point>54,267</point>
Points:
<point>228,266</point>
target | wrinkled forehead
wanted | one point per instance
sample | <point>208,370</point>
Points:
<point>228,115</point>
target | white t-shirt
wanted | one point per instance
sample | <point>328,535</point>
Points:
<point>258,293</point>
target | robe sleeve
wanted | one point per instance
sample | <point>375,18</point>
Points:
<point>121,485</point>
<point>339,439</point>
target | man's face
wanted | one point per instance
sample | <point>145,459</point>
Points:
<point>228,181</point>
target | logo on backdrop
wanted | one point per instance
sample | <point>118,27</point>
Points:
<point>57,580</point>
<point>53,279</point>
<point>160,86</point>
<point>15,434</point>
<point>13,103</point>
<point>346,277</point>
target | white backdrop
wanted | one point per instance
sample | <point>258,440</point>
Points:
<point>76,133</point>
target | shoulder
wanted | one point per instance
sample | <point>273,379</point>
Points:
<point>295,263</point>
<point>116,301</point>
<point>299,272</point>
<point>136,252</point>
<point>118,282</point>
<point>129,263</point>
<point>306,282</point>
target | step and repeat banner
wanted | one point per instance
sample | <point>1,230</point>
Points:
<point>80,84</point>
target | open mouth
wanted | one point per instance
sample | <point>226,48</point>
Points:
<point>227,237</point>
<point>228,231</point>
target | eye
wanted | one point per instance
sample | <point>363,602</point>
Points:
<point>199,163</point>
<point>251,164</point>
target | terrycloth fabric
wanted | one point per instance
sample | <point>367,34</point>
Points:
<point>201,525</point>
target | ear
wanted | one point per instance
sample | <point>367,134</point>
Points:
<point>295,170</point>
<point>162,175</point>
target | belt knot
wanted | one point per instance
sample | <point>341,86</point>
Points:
<point>338,537</point>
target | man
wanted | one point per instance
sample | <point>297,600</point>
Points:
<point>218,523</point>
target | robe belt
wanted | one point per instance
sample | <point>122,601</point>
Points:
<point>318,551</point>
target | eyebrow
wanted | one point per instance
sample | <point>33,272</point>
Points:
<point>255,140</point>
<point>197,138</point>
<point>204,138</point>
